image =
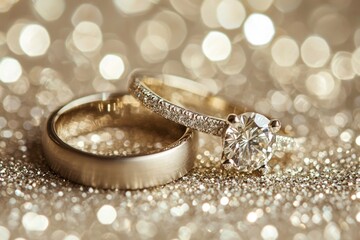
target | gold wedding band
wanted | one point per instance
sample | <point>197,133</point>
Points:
<point>249,139</point>
<point>136,170</point>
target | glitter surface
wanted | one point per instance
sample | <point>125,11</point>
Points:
<point>302,68</point>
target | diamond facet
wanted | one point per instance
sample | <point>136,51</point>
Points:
<point>248,141</point>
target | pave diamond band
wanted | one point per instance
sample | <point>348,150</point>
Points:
<point>249,139</point>
<point>139,87</point>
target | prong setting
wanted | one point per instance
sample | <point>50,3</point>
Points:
<point>228,164</point>
<point>274,125</point>
<point>232,118</point>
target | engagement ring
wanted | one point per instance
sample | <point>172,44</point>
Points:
<point>249,139</point>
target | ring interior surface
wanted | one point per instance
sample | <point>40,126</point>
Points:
<point>126,166</point>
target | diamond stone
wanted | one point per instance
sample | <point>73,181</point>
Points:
<point>248,141</point>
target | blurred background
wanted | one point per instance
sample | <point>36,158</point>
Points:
<point>297,60</point>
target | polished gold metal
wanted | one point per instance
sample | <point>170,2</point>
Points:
<point>143,170</point>
<point>188,103</point>
<point>249,143</point>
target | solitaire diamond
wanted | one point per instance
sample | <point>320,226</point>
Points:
<point>248,141</point>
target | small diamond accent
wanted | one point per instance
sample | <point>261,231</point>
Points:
<point>194,120</point>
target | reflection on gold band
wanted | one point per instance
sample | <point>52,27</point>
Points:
<point>123,168</point>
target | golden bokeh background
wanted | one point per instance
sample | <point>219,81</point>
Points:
<point>296,60</point>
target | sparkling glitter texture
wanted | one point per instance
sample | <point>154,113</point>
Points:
<point>298,61</point>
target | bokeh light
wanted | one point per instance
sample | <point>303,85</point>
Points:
<point>11,103</point>
<point>287,6</point>
<point>216,46</point>
<point>5,5</point>
<point>192,57</point>
<point>294,60</point>
<point>156,37</point>
<point>302,103</point>
<point>13,35</point>
<point>341,66</point>
<point>187,8</point>
<point>154,48</point>
<point>355,61</point>
<point>10,70</point>
<point>285,51</point>
<point>133,6</point>
<point>169,26</point>
<point>230,14</point>
<point>235,63</point>
<point>71,237</point>
<point>49,10</point>
<point>260,5</point>
<point>280,101</point>
<point>87,36</point>
<point>208,13</point>
<point>34,40</point>
<point>153,38</point>
<point>32,221</point>
<point>87,12</point>
<point>269,232</point>
<point>321,84</point>
<point>4,233</point>
<point>315,52</point>
<point>106,214</point>
<point>259,29</point>
<point>111,67</point>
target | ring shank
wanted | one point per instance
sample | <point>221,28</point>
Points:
<point>116,171</point>
<point>175,93</point>
<point>188,103</point>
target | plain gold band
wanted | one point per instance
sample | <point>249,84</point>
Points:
<point>125,172</point>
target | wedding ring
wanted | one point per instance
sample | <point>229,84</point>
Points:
<point>162,150</point>
<point>249,139</point>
